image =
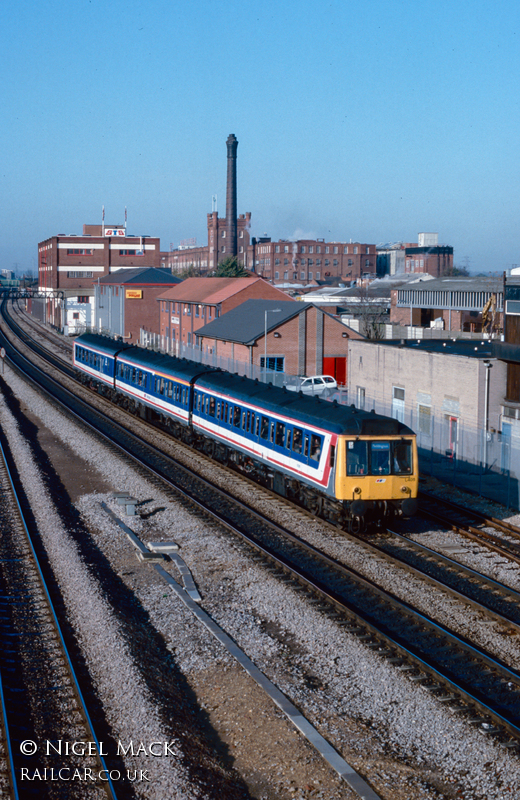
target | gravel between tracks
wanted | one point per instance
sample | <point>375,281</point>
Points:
<point>368,709</point>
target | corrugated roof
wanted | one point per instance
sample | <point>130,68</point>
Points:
<point>208,290</point>
<point>141,275</point>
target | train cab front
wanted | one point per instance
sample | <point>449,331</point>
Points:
<point>377,477</point>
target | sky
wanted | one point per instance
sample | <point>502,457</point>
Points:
<point>356,120</point>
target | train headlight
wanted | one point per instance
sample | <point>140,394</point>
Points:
<point>405,489</point>
<point>357,490</point>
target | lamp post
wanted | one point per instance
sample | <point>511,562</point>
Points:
<point>267,311</point>
<point>488,366</point>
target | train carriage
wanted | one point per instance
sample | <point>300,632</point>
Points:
<point>351,466</point>
<point>96,355</point>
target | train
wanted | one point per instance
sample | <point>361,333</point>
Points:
<point>354,468</point>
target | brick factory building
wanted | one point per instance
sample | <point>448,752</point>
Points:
<point>197,301</point>
<point>452,304</point>
<point>424,256</point>
<point>301,338</point>
<point>70,264</point>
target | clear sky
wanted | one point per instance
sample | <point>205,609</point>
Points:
<point>363,120</point>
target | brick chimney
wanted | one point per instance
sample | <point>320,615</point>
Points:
<point>231,196</point>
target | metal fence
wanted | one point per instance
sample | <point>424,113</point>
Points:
<point>206,356</point>
<point>485,463</point>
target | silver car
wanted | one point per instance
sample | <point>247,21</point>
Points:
<point>315,384</point>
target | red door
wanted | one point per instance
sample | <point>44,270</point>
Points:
<point>337,367</point>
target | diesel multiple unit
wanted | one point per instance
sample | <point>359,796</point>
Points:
<point>349,466</point>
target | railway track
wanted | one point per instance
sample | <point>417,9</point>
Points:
<point>497,535</point>
<point>42,703</point>
<point>447,665</point>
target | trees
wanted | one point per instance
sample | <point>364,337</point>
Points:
<point>372,312</point>
<point>231,268</point>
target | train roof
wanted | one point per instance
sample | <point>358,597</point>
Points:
<point>176,367</point>
<point>104,343</point>
<point>339,419</point>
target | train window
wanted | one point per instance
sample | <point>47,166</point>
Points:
<point>264,428</point>
<point>212,406</point>
<point>252,423</point>
<point>257,425</point>
<point>170,389</point>
<point>380,458</point>
<point>315,447</point>
<point>297,440</point>
<point>357,458</point>
<point>332,455</point>
<point>248,421</point>
<point>244,418</point>
<point>280,434</point>
<point>271,434</point>
<point>402,457</point>
<point>306,447</point>
<point>288,439</point>
<point>223,411</point>
<point>236,417</point>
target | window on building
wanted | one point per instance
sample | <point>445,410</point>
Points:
<point>335,262</point>
<point>327,249</point>
<point>360,397</point>
<point>310,276</point>
<point>285,262</point>
<point>424,414</point>
<point>318,262</point>
<point>83,299</point>
<point>336,250</point>
<point>302,275</point>
<point>327,262</point>
<point>223,249</point>
<point>223,234</point>
<point>277,248</point>
<point>355,251</point>
<point>241,235</point>
<point>286,248</point>
<point>79,251</point>
<point>240,249</point>
<point>367,250</point>
<point>277,262</point>
<point>350,262</point>
<point>275,363</point>
<point>318,276</point>
<point>75,315</point>
<point>276,276</point>
<point>80,274</point>
<point>131,252</point>
<point>311,249</point>
<point>302,249</point>
<point>345,250</point>
<point>367,262</point>
<point>285,276</point>
<point>398,403</point>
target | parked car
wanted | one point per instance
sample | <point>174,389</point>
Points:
<point>316,384</point>
<point>340,395</point>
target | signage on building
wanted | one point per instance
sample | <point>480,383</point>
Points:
<point>175,320</point>
<point>134,294</point>
<point>114,231</point>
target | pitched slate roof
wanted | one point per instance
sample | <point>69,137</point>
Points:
<point>140,275</point>
<point>245,324</point>
<point>208,290</point>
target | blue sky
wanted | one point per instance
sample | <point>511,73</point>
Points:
<point>369,120</point>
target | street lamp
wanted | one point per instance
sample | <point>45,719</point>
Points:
<point>267,311</point>
<point>488,366</point>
